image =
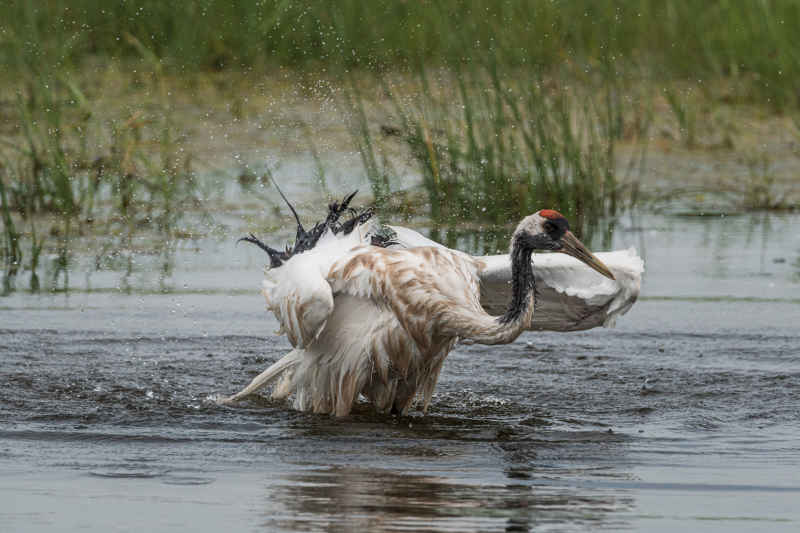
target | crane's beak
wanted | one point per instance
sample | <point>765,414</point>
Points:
<point>570,245</point>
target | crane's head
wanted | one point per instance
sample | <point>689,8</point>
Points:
<point>548,230</point>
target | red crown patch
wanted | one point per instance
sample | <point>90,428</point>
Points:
<point>550,214</point>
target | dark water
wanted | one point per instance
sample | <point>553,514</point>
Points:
<point>687,415</point>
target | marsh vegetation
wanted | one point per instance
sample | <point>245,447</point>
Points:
<point>495,109</point>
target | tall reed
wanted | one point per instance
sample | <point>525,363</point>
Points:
<point>492,149</point>
<point>377,167</point>
<point>11,250</point>
<point>139,179</point>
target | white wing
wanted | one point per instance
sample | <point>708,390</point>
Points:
<point>300,298</point>
<point>570,295</point>
<point>297,292</point>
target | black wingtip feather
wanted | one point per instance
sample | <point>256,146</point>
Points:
<point>306,240</point>
<point>300,229</point>
<point>276,258</point>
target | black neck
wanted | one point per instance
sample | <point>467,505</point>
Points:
<point>522,281</point>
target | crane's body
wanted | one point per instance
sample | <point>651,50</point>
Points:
<point>379,320</point>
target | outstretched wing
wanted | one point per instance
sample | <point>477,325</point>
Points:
<point>570,295</point>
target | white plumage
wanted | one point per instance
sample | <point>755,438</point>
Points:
<point>569,296</point>
<point>379,321</point>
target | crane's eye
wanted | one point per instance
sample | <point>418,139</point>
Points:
<point>555,228</point>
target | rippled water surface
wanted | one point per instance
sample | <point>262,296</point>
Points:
<point>686,415</point>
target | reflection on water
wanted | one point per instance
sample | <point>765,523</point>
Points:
<point>486,465</point>
<point>350,498</point>
<point>150,268</point>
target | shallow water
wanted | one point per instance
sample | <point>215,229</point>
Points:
<point>686,415</point>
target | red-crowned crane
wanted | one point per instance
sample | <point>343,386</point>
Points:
<point>374,312</point>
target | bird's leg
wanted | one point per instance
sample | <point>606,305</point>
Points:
<point>258,382</point>
<point>286,362</point>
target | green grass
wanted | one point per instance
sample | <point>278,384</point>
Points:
<point>750,43</point>
<point>492,150</point>
<point>376,165</point>
<point>11,249</point>
<point>685,112</point>
<point>70,173</point>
